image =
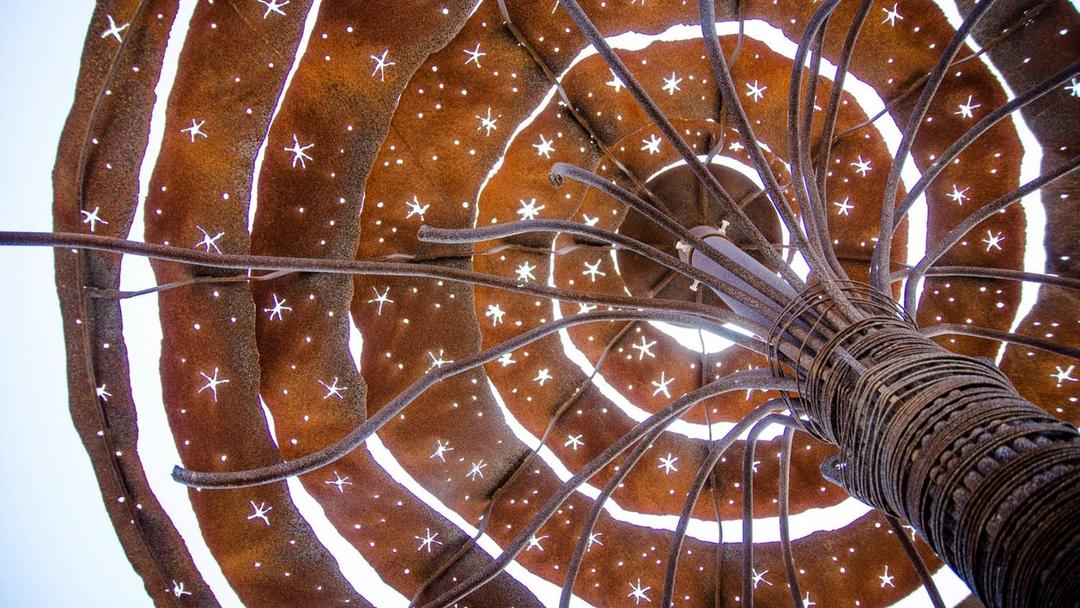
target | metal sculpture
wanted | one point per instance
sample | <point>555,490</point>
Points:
<point>940,440</point>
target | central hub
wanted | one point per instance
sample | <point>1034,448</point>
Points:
<point>687,201</point>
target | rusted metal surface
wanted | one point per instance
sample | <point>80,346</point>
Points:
<point>333,131</point>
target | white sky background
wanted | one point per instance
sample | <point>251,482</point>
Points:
<point>57,546</point>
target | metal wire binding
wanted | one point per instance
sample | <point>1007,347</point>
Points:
<point>879,307</point>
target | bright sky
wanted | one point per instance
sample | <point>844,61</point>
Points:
<point>57,546</point>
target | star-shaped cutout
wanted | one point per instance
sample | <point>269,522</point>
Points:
<point>92,218</point>
<point>667,463</point>
<point>195,130</point>
<point>437,362</point>
<point>544,148</point>
<point>415,208</point>
<point>614,83</point>
<point>958,196</point>
<point>573,441</point>
<point>644,348</point>
<point>1063,375</point>
<point>339,482</point>
<point>671,84</point>
<point>212,383</point>
<point>593,270</point>
<point>594,539</point>
<point>542,376</point>
<point>662,385</point>
<point>104,394</point>
<point>910,529</point>
<point>114,30</point>
<point>380,299</point>
<point>506,359</point>
<point>637,591</point>
<point>759,577</point>
<point>966,108</point>
<point>278,309</point>
<point>381,63</point>
<point>474,55</point>
<point>755,90</point>
<point>886,579</point>
<point>862,167</point>
<point>529,210</point>
<point>299,152</point>
<point>891,15</point>
<point>525,272</point>
<point>178,590</point>
<point>534,541</point>
<point>440,450</point>
<point>273,6</point>
<point>475,470</point>
<point>1073,88</point>
<point>209,241</point>
<point>843,207</point>
<point>495,313</point>
<point>651,145</point>
<point>333,390</point>
<point>260,512</point>
<point>993,240</point>
<point>427,540</point>
<point>487,123</point>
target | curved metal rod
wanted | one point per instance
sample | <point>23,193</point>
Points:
<point>714,317</point>
<point>1019,23</point>
<point>832,111</point>
<point>742,123</point>
<point>800,123</point>
<point>917,562</point>
<point>431,234</point>
<point>545,251</point>
<point>99,102</point>
<point>742,30</point>
<point>1001,336</point>
<point>81,171</point>
<point>716,451</point>
<point>588,178</point>
<point>728,204</point>
<point>115,294</point>
<point>714,483</point>
<point>976,130</point>
<point>785,523</point>
<point>993,273</point>
<point>817,201</point>
<point>748,499</point>
<point>879,259</point>
<point>585,538</point>
<point>356,437</point>
<point>942,245</point>
<point>504,483</point>
<point>661,419</point>
<point>762,307</point>
<point>571,107</point>
<point>827,270</point>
